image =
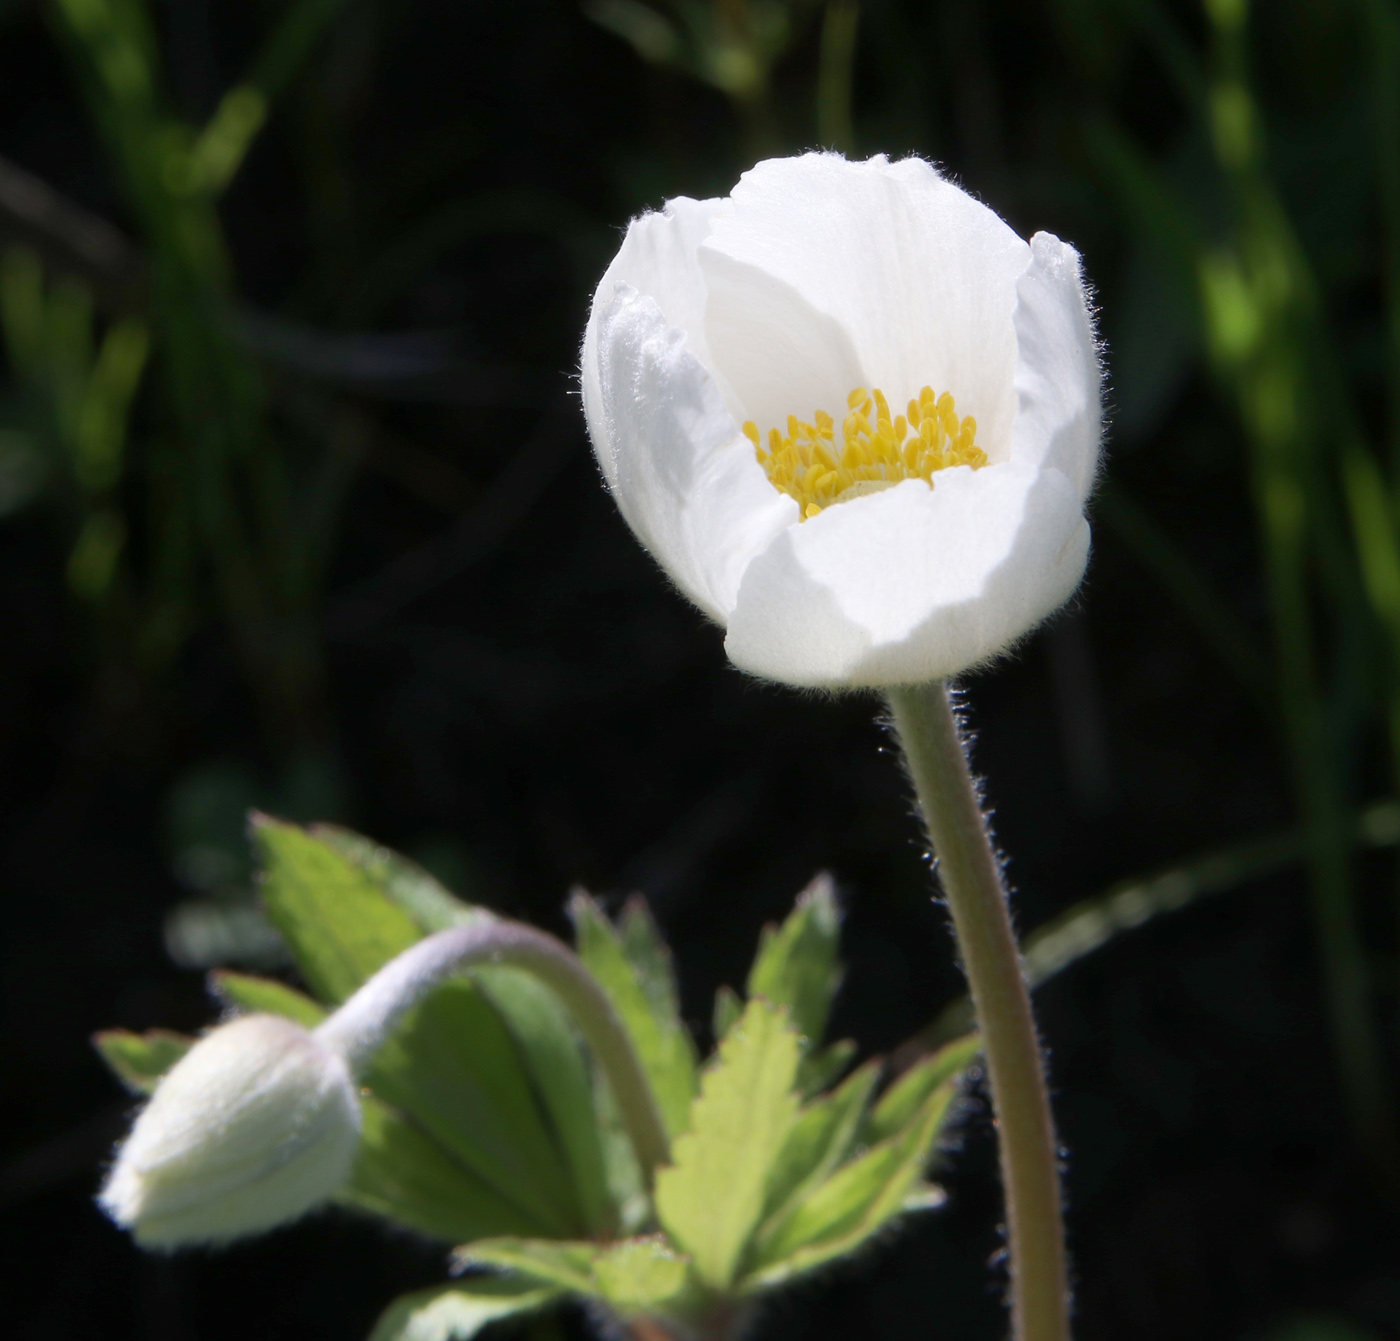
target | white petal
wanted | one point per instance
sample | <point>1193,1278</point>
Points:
<point>919,275</point>
<point>658,257</point>
<point>685,478</point>
<point>911,584</point>
<point>1059,417</point>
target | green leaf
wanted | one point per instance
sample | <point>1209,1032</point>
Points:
<point>661,1040</point>
<point>899,1103</point>
<point>541,1026</point>
<point>459,1311</point>
<point>729,1006</point>
<point>454,1066</point>
<point>650,958</point>
<point>820,1069</point>
<point>857,1201</point>
<point>267,995</point>
<point>634,1275</point>
<point>711,1198</point>
<point>798,964</point>
<point>139,1060</point>
<point>422,896</point>
<point>640,1274</point>
<point>567,1266</point>
<point>340,925</point>
<point>820,1139</point>
<point>405,1175</point>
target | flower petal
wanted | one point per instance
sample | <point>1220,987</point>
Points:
<point>1059,417</point>
<point>686,480</point>
<point>911,584</point>
<point>658,257</point>
<point>919,275</point>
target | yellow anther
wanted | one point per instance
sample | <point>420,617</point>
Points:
<point>808,466</point>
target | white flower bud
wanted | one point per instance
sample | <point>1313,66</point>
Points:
<point>254,1126</point>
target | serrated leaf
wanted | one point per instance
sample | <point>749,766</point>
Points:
<point>798,964</point>
<point>897,1106</point>
<point>425,899</point>
<point>662,1042</point>
<point>139,1060</point>
<point>856,1202</point>
<point>459,1311</point>
<point>822,1068</point>
<point>253,994</point>
<point>566,1266</point>
<point>729,1006</point>
<point>643,1273</point>
<point>712,1196</point>
<point>554,1058</point>
<point>634,1275</point>
<point>650,958</point>
<point>819,1140</point>
<point>403,1174</point>
<point>454,1066</point>
<point>340,925</point>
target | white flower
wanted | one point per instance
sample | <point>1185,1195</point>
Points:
<point>857,542</point>
<point>252,1127</point>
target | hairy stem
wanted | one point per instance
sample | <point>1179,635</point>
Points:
<point>971,877</point>
<point>361,1025</point>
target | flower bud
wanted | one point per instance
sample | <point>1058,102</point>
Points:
<point>254,1126</point>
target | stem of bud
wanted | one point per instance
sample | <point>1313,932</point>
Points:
<point>358,1029</point>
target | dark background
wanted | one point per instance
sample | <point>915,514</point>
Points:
<point>490,674</point>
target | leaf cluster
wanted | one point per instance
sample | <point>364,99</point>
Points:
<point>487,1126</point>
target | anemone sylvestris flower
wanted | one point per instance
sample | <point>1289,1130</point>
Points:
<point>253,1127</point>
<point>852,414</point>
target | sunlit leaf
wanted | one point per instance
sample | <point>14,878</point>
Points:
<point>661,1040</point>
<point>541,1025</point>
<point>898,1105</point>
<point>403,1174</point>
<point>422,896</point>
<point>253,994</point>
<point>340,925</point>
<point>856,1202</point>
<point>459,1311</point>
<point>454,1066</point>
<point>798,963</point>
<point>819,1140</point>
<point>139,1060</point>
<point>711,1198</point>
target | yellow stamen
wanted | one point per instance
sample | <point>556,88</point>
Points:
<point>807,465</point>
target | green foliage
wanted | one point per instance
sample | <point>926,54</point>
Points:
<point>853,1205</point>
<point>253,994</point>
<point>901,1102</point>
<point>459,1311</point>
<point>430,906</point>
<point>484,1125</point>
<point>336,919</point>
<point>632,1276</point>
<point>139,1060</point>
<point>644,995</point>
<point>405,1175</point>
<point>798,964</point>
<point>712,1197</point>
<point>819,1140</point>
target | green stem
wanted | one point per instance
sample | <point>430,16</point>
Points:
<point>971,878</point>
<point>359,1028</point>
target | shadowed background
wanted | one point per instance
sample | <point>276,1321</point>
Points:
<point>297,512</point>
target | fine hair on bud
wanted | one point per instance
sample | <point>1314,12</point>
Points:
<point>257,1124</point>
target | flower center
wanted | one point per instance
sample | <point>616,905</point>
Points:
<point>808,465</point>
